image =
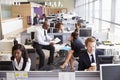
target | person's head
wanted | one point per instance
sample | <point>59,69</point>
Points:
<point>90,44</point>
<point>19,51</point>
<point>74,35</point>
<point>77,25</point>
<point>46,25</point>
<point>37,16</point>
<point>60,26</point>
<point>58,11</point>
<point>43,15</point>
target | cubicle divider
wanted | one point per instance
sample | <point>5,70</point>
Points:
<point>11,25</point>
<point>24,35</point>
<point>48,75</point>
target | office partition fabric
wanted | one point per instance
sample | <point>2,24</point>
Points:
<point>38,10</point>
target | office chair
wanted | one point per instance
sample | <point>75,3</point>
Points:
<point>32,35</point>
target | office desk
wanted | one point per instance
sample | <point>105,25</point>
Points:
<point>110,50</point>
<point>57,47</point>
<point>33,55</point>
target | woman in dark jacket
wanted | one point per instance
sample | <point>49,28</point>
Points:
<point>76,46</point>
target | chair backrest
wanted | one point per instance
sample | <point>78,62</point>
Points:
<point>32,35</point>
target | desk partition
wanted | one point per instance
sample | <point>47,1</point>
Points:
<point>25,35</point>
<point>38,75</point>
<point>11,25</point>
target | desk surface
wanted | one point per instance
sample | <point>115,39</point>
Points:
<point>57,47</point>
<point>108,47</point>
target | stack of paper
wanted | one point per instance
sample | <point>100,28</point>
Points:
<point>56,40</point>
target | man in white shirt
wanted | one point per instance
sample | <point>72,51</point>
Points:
<point>43,41</point>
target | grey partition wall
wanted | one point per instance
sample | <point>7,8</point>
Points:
<point>43,75</point>
<point>50,75</point>
<point>89,75</point>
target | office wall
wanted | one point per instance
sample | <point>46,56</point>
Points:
<point>6,7</point>
<point>69,4</point>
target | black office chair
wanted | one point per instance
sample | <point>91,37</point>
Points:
<point>76,57</point>
<point>32,35</point>
<point>49,31</point>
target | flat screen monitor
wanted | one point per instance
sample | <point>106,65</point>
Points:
<point>52,24</point>
<point>6,66</point>
<point>110,72</point>
<point>103,59</point>
<point>85,32</point>
<point>55,30</point>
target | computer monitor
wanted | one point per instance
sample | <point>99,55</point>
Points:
<point>55,30</point>
<point>80,20</point>
<point>110,72</point>
<point>103,59</point>
<point>85,32</point>
<point>52,24</point>
<point>6,66</point>
<point>73,18</point>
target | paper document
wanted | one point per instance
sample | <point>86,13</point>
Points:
<point>56,40</point>
<point>66,75</point>
<point>10,76</point>
<point>21,75</point>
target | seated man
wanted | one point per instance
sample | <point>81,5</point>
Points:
<point>88,57</point>
<point>43,41</point>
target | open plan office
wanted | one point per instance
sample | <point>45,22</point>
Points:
<point>39,39</point>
